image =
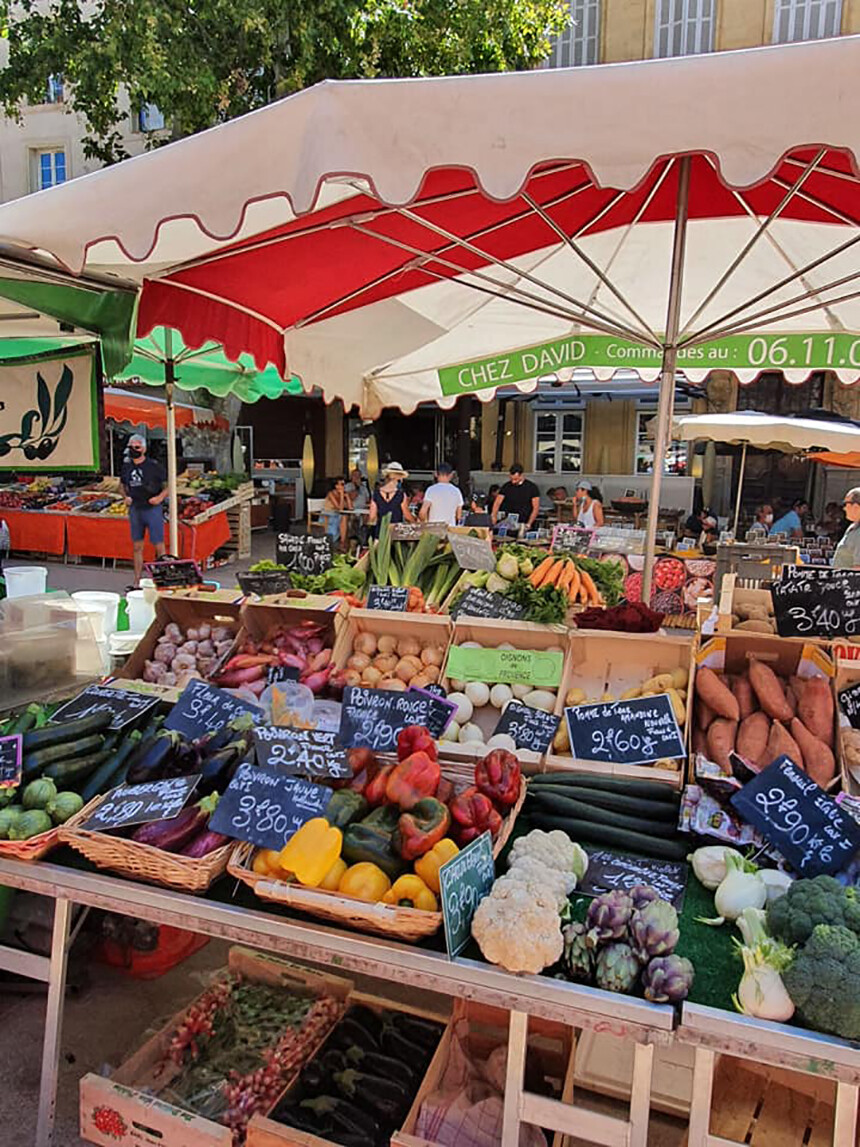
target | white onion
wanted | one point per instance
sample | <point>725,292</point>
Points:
<point>464,710</point>
<point>502,741</point>
<point>471,734</point>
<point>452,733</point>
<point>478,693</point>
<point>500,695</point>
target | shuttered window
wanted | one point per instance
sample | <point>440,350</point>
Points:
<point>684,27</point>
<point>579,43</point>
<point>806,20</point>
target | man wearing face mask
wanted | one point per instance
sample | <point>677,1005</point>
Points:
<point>143,485</point>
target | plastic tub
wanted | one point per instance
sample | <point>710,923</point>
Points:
<point>25,581</point>
<point>107,602</point>
<point>92,615</point>
<point>289,703</point>
<point>140,611</point>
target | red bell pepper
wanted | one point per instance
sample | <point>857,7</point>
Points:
<point>498,776</point>
<point>418,830</point>
<point>473,813</point>
<point>360,758</point>
<point>414,777</point>
<point>374,790</point>
<point>415,739</point>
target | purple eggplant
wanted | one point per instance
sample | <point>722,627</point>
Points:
<point>152,763</point>
<point>172,835</point>
<point>217,769</point>
<point>205,842</point>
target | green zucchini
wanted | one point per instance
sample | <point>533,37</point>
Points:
<point>36,761</point>
<point>67,731</point>
<point>652,790</point>
<point>70,772</point>
<point>567,806</point>
<point>103,778</point>
<point>620,802</point>
<point>587,833</point>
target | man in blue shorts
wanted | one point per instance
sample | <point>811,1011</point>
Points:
<point>143,484</point>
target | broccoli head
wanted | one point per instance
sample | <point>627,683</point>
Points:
<point>824,981</point>
<point>822,900</point>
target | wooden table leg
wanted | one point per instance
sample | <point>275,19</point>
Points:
<point>518,1029</point>
<point>53,1025</point>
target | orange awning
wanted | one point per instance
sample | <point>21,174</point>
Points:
<point>152,412</point>
<point>851,460</point>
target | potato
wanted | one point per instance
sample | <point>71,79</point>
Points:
<point>574,696</point>
<point>818,759</point>
<point>658,684</point>
<point>768,689</point>
<point>716,694</point>
<point>561,740</point>
<point>678,707</point>
<point>680,676</point>
<point>815,708</point>
<point>756,625</point>
<point>700,742</point>
<point>721,741</point>
<point>752,736</point>
<point>790,697</point>
<point>630,694</point>
<point>704,715</point>
<point>851,748</point>
<point>746,698</point>
<point>781,743</point>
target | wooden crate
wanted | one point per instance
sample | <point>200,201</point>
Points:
<point>127,1105</point>
<point>239,520</point>
<point>244,493</point>
<point>763,1106</point>
<point>428,628</point>
<point>847,674</point>
<point>185,611</point>
<point>263,1132</point>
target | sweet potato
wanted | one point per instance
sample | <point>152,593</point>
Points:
<point>790,696</point>
<point>780,742</point>
<point>700,742</point>
<point>746,698</point>
<point>704,715</point>
<point>768,689</point>
<point>721,741</point>
<point>752,736</point>
<point>716,694</point>
<point>815,709</point>
<point>818,759</point>
<point>755,625</point>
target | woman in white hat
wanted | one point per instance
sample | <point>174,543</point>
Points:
<point>389,499</point>
<point>588,505</point>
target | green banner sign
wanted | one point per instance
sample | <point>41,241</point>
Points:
<point>536,667</point>
<point>799,351</point>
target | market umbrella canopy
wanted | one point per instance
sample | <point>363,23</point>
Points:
<point>768,431</point>
<point>151,411</point>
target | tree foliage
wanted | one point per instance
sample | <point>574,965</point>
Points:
<point>209,60</point>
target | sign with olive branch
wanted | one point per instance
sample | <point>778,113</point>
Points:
<point>49,413</point>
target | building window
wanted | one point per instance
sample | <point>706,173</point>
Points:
<point>54,93</point>
<point>675,461</point>
<point>684,27</point>
<point>150,118</point>
<point>49,168</point>
<point>579,43</point>
<point>558,442</point>
<point>806,20</point>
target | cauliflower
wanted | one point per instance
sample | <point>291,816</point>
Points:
<point>823,981</point>
<point>534,874</point>
<point>822,900</point>
<point>518,928</point>
<point>554,849</point>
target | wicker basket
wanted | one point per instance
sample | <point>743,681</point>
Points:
<point>410,924</point>
<point>34,848</point>
<point>142,861</point>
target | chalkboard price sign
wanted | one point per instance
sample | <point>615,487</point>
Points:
<point>10,760</point>
<point>798,818</point>
<point>849,703</point>
<point>276,673</point>
<point>174,573</point>
<point>472,553</point>
<point>303,554</point>
<point>608,870</point>
<point>391,597</point>
<point>266,807</point>
<point>531,729</point>
<point>477,602</point>
<point>140,804</point>
<point>633,732</point>
<point>306,752</point>
<point>372,718</point>
<point>570,540</point>
<point>817,602</point>
<point>125,705</point>
<point>202,708</point>
<point>464,881</point>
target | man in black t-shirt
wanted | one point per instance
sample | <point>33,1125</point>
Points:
<point>519,496</point>
<point>143,483</point>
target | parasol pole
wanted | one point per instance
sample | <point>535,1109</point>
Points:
<point>667,370</point>
<point>172,497</point>
<point>740,489</point>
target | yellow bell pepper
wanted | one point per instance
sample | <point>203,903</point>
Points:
<point>311,852</point>
<point>410,891</point>
<point>364,881</point>
<point>428,865</point>
<point>332,878</point>
<point>267,862</point>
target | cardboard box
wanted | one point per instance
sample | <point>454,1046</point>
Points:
<point>264,1132</point>
<point>127,1105</point>
<point>187,612</point>
<point>261,618</point>
<point>605,665</point>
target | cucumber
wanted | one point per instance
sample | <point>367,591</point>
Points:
<point>39,759</point>
<point>108,775</point>
<point>67,731</point>
<point>69,772</point>
<point>587,833</point>
<point>567,806</point>
<point>652,790</point>
<point>620,802</point>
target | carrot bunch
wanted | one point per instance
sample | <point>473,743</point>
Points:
<point>566,575</point>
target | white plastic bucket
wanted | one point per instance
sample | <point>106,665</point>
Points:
<point>140,611</point>
<point>93,614</point>
<point>107,602</point>
<point>25,581</point>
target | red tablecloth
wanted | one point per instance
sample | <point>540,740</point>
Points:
<point>95,537</point>
<point>38,533</point>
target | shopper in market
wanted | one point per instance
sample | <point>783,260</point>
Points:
<point>359,499</point>
<point>518,496</point>
<point>847,555</point>
<point>443,501</point>
<point>336,521</point>
<point>791,522</point>
<point>143,483</point>
<point>389,499</point>
<point>588,505</point>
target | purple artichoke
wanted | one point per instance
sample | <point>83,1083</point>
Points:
<point>608,917</point>
<point>617,969</point>
<point>668,979</point>
<point>642,894</point>
<point>578,960</point>
<point>654,930</point>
